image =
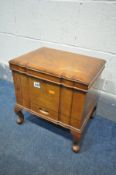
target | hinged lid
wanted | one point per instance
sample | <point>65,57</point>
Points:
<point>62,64</point>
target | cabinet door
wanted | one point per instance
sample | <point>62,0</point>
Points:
<point>44,97</point>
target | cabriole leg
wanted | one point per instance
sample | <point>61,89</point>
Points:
<point>76,138</point>
<point>20,115</point>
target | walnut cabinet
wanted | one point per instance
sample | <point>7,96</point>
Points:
<point>57,86</point>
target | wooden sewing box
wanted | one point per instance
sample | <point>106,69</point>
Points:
<point>58,86</point>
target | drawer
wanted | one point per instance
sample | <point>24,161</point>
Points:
<point>44,111</point>
<point>44,94</point>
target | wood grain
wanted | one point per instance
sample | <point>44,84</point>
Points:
<point>61,64</point>
<point>57,86</point>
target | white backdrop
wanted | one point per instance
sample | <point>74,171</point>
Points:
<point>86,27</point>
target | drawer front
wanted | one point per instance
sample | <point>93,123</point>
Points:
<point>42,110</point>
<point>44,94</point>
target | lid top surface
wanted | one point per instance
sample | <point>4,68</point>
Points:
<point>61,64</point>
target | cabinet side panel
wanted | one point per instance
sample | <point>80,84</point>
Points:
<point>78,103</point>
<point>83,105</point>
<point>90,103</point>
<point>65,105</point>
<point>91,98</point>
<point>18,88</point>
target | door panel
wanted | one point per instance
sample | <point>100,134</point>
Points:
<point>44,94</point>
